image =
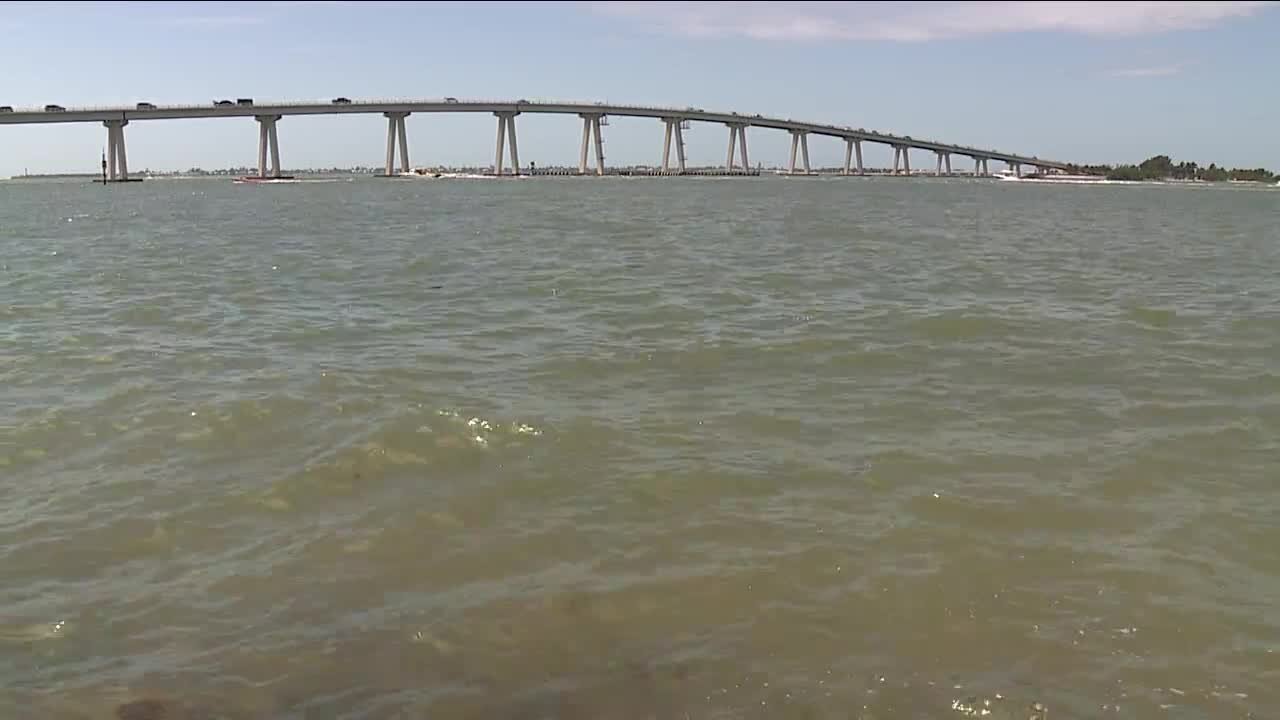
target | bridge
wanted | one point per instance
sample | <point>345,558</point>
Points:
<point>594,116</point>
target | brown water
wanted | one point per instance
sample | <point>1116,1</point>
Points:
<point>748,448</point>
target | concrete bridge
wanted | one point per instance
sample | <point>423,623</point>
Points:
<point>594,117</point>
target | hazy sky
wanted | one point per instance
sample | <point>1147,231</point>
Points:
<point>1085,82</point>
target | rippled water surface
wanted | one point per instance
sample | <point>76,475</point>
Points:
<point>672,448</point>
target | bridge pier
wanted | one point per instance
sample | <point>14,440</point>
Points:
<point>674,126</point>
<point>1015,167</point>
<point>943,158</point>
<point>396,127</point>
<point>506,128</point>
<point>117,160</point>
<point>799,140</point>
<point>979,167</point>
<point>737,132</point>
<point>267,139</point>
<point>591,123</point>
<point>900,156</point>
<point>853,148</point>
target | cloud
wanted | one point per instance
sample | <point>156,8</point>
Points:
<point>1153,71</point>
<point>920,21</point>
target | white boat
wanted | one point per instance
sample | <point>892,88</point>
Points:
<point>1009,175</point>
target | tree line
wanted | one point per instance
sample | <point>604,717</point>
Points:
<point>1162,167</point>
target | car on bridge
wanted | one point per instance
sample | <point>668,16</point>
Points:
<point>6,108</point>
<point>146,106</point>
<point>244,101</point>
<point>54,108</point>
<point>341,101</point>
<point>451,100</point>
<point>223,103</point>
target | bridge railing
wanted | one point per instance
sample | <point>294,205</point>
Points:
<point>258,102</point>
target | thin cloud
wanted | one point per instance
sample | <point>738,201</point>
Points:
<point>920,21</point>
<point>1153,71</point>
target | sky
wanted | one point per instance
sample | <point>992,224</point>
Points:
<point>1077,82</point>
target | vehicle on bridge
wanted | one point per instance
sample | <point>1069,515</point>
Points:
<point>341,101</point>
<point>451,100</point>
<point>223,103</point>
<point>54,108</point>
<point>244,101</point>
<point>146,106</point>
<point>6,108</point>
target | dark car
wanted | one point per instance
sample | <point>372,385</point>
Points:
<point>342,101</point>
<point>244,101</point>
<point>54,108</point>
<point>146,106</point>
<point>6,108</point>
<point>451,100</point>
<point>223,103</point>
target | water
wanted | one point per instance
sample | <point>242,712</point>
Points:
<point>631,448</point>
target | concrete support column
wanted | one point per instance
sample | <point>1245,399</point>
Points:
<point>675,126</point>
<point>396,129</point>
<point>1017,169</point>
<point>117,159</point>
<point>511,138</point>
<point>507,131</point>
<point>906,160</point>
<point>737,136</point>
<point>857,155</point>
<point>262,148</point>
<point>946,158</point>
<point>111,151</point>
<point>267,138</point>
<point>938,171</point>
<point>122,158</point>
<point>666,146</point>
<point>404,144</point>
<point>389,170</point>
<point>733,139</point>
<point>502,138</point>
<point>848,154</point>
<point>800,141</point>
<point>275,148</point>
<point>680,144</point>
<point>897,158</point>
<point>595,123</point>
<point>591,124</point>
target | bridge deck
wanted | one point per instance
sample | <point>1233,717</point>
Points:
<point>174,112</point>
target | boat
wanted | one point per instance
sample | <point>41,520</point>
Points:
<point>1009,175</point>
<point>255,180</point>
